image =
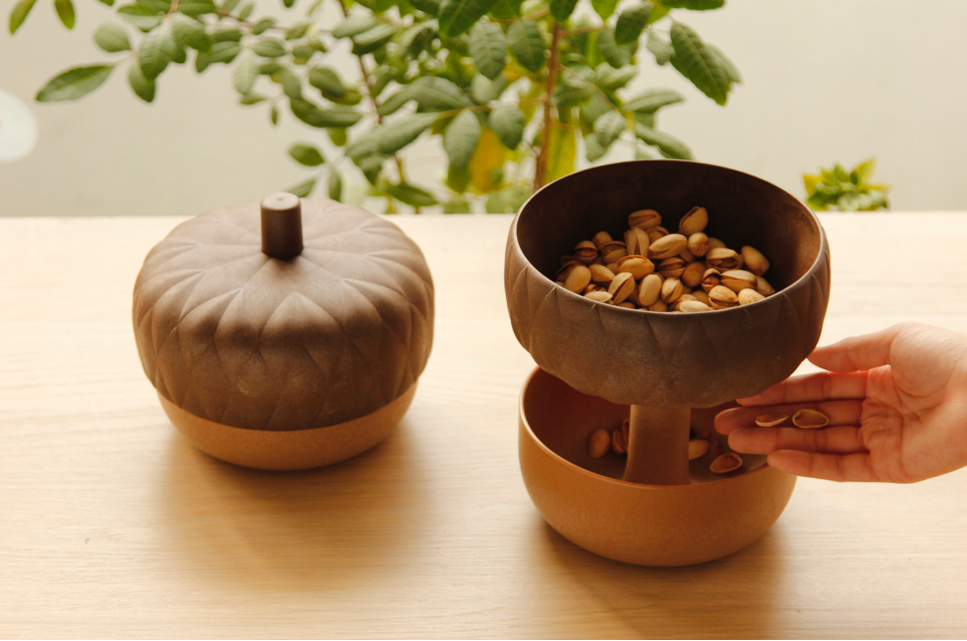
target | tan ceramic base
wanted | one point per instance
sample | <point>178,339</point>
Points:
<point>657,525</point>
<point>289,450</point>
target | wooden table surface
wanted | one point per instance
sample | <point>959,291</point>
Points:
<point>112,525</point>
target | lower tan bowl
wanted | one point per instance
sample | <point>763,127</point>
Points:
<point>657,525</point>
<point>289,450</point>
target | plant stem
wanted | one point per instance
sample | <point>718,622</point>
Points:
<point>540,170</point>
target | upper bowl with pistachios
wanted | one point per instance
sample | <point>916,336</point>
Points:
<point>746,263</point>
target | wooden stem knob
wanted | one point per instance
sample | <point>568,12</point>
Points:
<point>281,225</point>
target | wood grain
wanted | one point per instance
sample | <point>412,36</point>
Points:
<point>113,526</point>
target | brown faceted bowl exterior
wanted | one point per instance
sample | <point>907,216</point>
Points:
<point>662,359</point>
<point>654,525</point>
<point>291,449</point>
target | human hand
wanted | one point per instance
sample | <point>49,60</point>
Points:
<point>896,402</point>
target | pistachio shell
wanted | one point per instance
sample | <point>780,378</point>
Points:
<point>693,274</point>
<point>644,219</point>
<point>747,296</point>
<point>723,257</point>
<point>770,420</point>
<point>726,463</point>
<point>599,443</point>
<point>667,246</point>
<point>655,233</point>
<point>621,287</point>
<point>711,278</point>
<point>672,267</point>
<point>721,297</point>
<point>568,259</point>
<point>650,290</point>
<point>618,444</point>
<point>697,244</point>
<point>586,251</point>
<point>697,447</point>
<point>686,255</point>
<point>599,296</point>
<point>613,267</point>
<point>763,287</point>
<point>601,239</point>
<point>658,306</point>
<point>700,295</point>
<point>627,305</point>
<point>755,262</point>
<point>613,252</point>
<point>810,419</point>
<point>578,278</point>
<point>601,274</point>
<point>691,306</point>
<point>671,289</point>
<point>738,279</point>
<point>693,222</point>
<point>636,265</point>
<point>715,243</point>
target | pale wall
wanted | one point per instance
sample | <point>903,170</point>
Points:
<point>824,81</point>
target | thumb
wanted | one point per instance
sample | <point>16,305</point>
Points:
<point>857,352</point>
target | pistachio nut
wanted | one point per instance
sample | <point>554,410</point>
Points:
<point>694,306</point>
<point>686,289</point>
<point>637,241</point>
<point>697,447</point>
<point>700,295</point>
<point>599,296</point>
<point>721,297</point>
<point>672,267</point>
<point>711,278</point>
<point>686,255</point>
<point>671,289</point>
<point>586,251</point>
<point>755,262</point>
<point>693,222</point>
<point>715,243</point>
<point>728,462</point>
<point>770,420</point>
<point>658,306</point>
<point>692,275</point>
<point>723,257</point>
<point>697,244</point>
<point>627,305</point>
<point>649,290</point>
<point>618,443</point>
<point>644,219</point>
<point>594,287</point>
<point>601,274</point>
<point>578,278</point>
<point>747,296</point>
<point>738,279</point>
<point>566,269</point>
<point>613,267</point>
<point>613,251</point>
<point>655,233</point>
<point>667,246</point>
<point>809,419</point>
<point>622,286</point>
<point>763,287</point>
<point>599,443</point>
<point>568,259</point>
<point>601,239</point>
<point>636,265</point>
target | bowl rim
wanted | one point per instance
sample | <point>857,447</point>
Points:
<point>572,467</point>
<point>823,242</point>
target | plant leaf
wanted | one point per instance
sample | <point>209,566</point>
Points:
<point>395,102</point>
<point>197,7</point>
<point>652,100</point>
<point>488,46</point>
<point>306,155</point>
<point>592,148</point>
<point>486,166</point>
<point>694,60</point>
<point>410,195</point>
<point>262,26</point>
<point>631,22</point>
<point>436,94</point>
<point>112,38</point>
<point>302,190</point>
<point>604,8</point>
<point>461,138</point>
<point>527,44</point>
<point>669,146</point>
<point>457,16</point>
<point>353,26</point>
<point>291,83</point>
<point>252,99</point>
<point>328,117</point>
<point>188,32</point>
<point>506,9</point>
<point>140,16</point>
<point>65,11</point>
<point>74,83</point>
<point>19,14</point>
<point>371,40</point>
<point>661,49</point>
<point>429,7</point>
<point>561,152</point>
<point>224,52</point>
<point>142,87</point>
<point>328,82</point>
<point>246,72</point>
<point>390,138</point>
<point>335,186</point>
<point>154,54</point>
<point>269,48</point>
<point>616,55</point>
<point>562,9</point>
<point>862,172</point>
<point>508,122</point>
<point>611,79</point>
<point>608,128</point>
<point>730,70</point>
<point>456,206</point>
<point>694,5</point>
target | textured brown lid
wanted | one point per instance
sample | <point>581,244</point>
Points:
<point>237,337</point>
<point>667,359</point>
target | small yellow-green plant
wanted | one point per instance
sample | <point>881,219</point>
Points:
<point>839,190</point>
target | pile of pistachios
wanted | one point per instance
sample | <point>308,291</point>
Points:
<point>660,271</point>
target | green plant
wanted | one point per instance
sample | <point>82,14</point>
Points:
<point>510,86</point>
<point>841,190</point>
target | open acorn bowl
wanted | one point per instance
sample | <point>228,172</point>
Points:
<point>648,510</point>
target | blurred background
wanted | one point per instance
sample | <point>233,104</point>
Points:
<point>823,81</point>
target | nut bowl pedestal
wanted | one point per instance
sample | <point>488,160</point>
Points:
<point>670,371</point>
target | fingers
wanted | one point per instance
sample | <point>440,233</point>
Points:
<point>847,412</point>
<point>811,387</point>
<point>844,439</point>
<point>858,352</point>
<point>832,467</point>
